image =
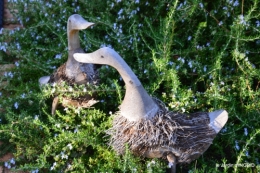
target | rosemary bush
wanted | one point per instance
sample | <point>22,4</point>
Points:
<point>194,55</point>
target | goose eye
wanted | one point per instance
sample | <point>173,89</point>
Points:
<point>102,56</point>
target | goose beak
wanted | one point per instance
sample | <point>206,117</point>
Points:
<point>84,25</point>
<point>83,57</point>
<point>79,23</point>
<point>218,119</point>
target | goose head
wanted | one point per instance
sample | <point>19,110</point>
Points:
<point>137,104</point>
<point>75,23</point>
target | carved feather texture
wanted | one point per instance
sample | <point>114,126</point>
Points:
<point>186,136</point>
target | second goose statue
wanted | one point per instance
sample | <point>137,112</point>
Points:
<point>72,72</point>
<point>149,129</point>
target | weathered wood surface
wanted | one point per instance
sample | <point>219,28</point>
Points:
<point>9,23</point>
<point>9,20</point>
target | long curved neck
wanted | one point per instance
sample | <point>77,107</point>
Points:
<point>125,71</point>
<point>137,104</point>
<point>72,66</point>
<point>73,39</point>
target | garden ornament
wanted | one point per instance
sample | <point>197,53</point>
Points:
<point>73,72</point>
<point>145,124</point>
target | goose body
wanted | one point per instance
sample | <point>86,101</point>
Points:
<point>72,72</point>
<point>149,129</point>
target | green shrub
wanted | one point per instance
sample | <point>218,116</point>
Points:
<point>194,55</point>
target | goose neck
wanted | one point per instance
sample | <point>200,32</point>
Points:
<point>73,39</point>
<point>137,103</point>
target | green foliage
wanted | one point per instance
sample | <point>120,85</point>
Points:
<point>194,55</point>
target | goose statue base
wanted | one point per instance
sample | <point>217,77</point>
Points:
<point>177,137</point>
<point>84,101</point>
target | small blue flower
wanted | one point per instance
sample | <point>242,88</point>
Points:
<point>245,131</point>
<point>7,165</point>
<point>190,64</point>
<point>114,26</point>
<point>228,14</point>
<point>12,161</point>
<point>3,47</point>
<point>16,63</point>
<point>53,166</point>
<point>35,171</point>
<point>36,117</point>
<point>242,20</point>
<point>23,95</point>
<point>170,63</point>
<point>224,129</point>
<point>205,68</point>
<point>236,145</point>
<point>58,56</point>
<point>16,105</point>
<point>182,60</point>
<point>179,7</point>
<point>120,12</point>
<point>236,3</point>
<point>70,146</point>
<point>57,125</point>
<point>18,46</point>
<point>64,156</point>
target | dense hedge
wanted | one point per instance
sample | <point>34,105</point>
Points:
<point>194,55</point>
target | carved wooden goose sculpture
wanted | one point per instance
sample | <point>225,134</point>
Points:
<point>149,129</point>
<point>73,72</point>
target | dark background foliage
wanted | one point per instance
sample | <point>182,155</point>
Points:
<point>194,55</point>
